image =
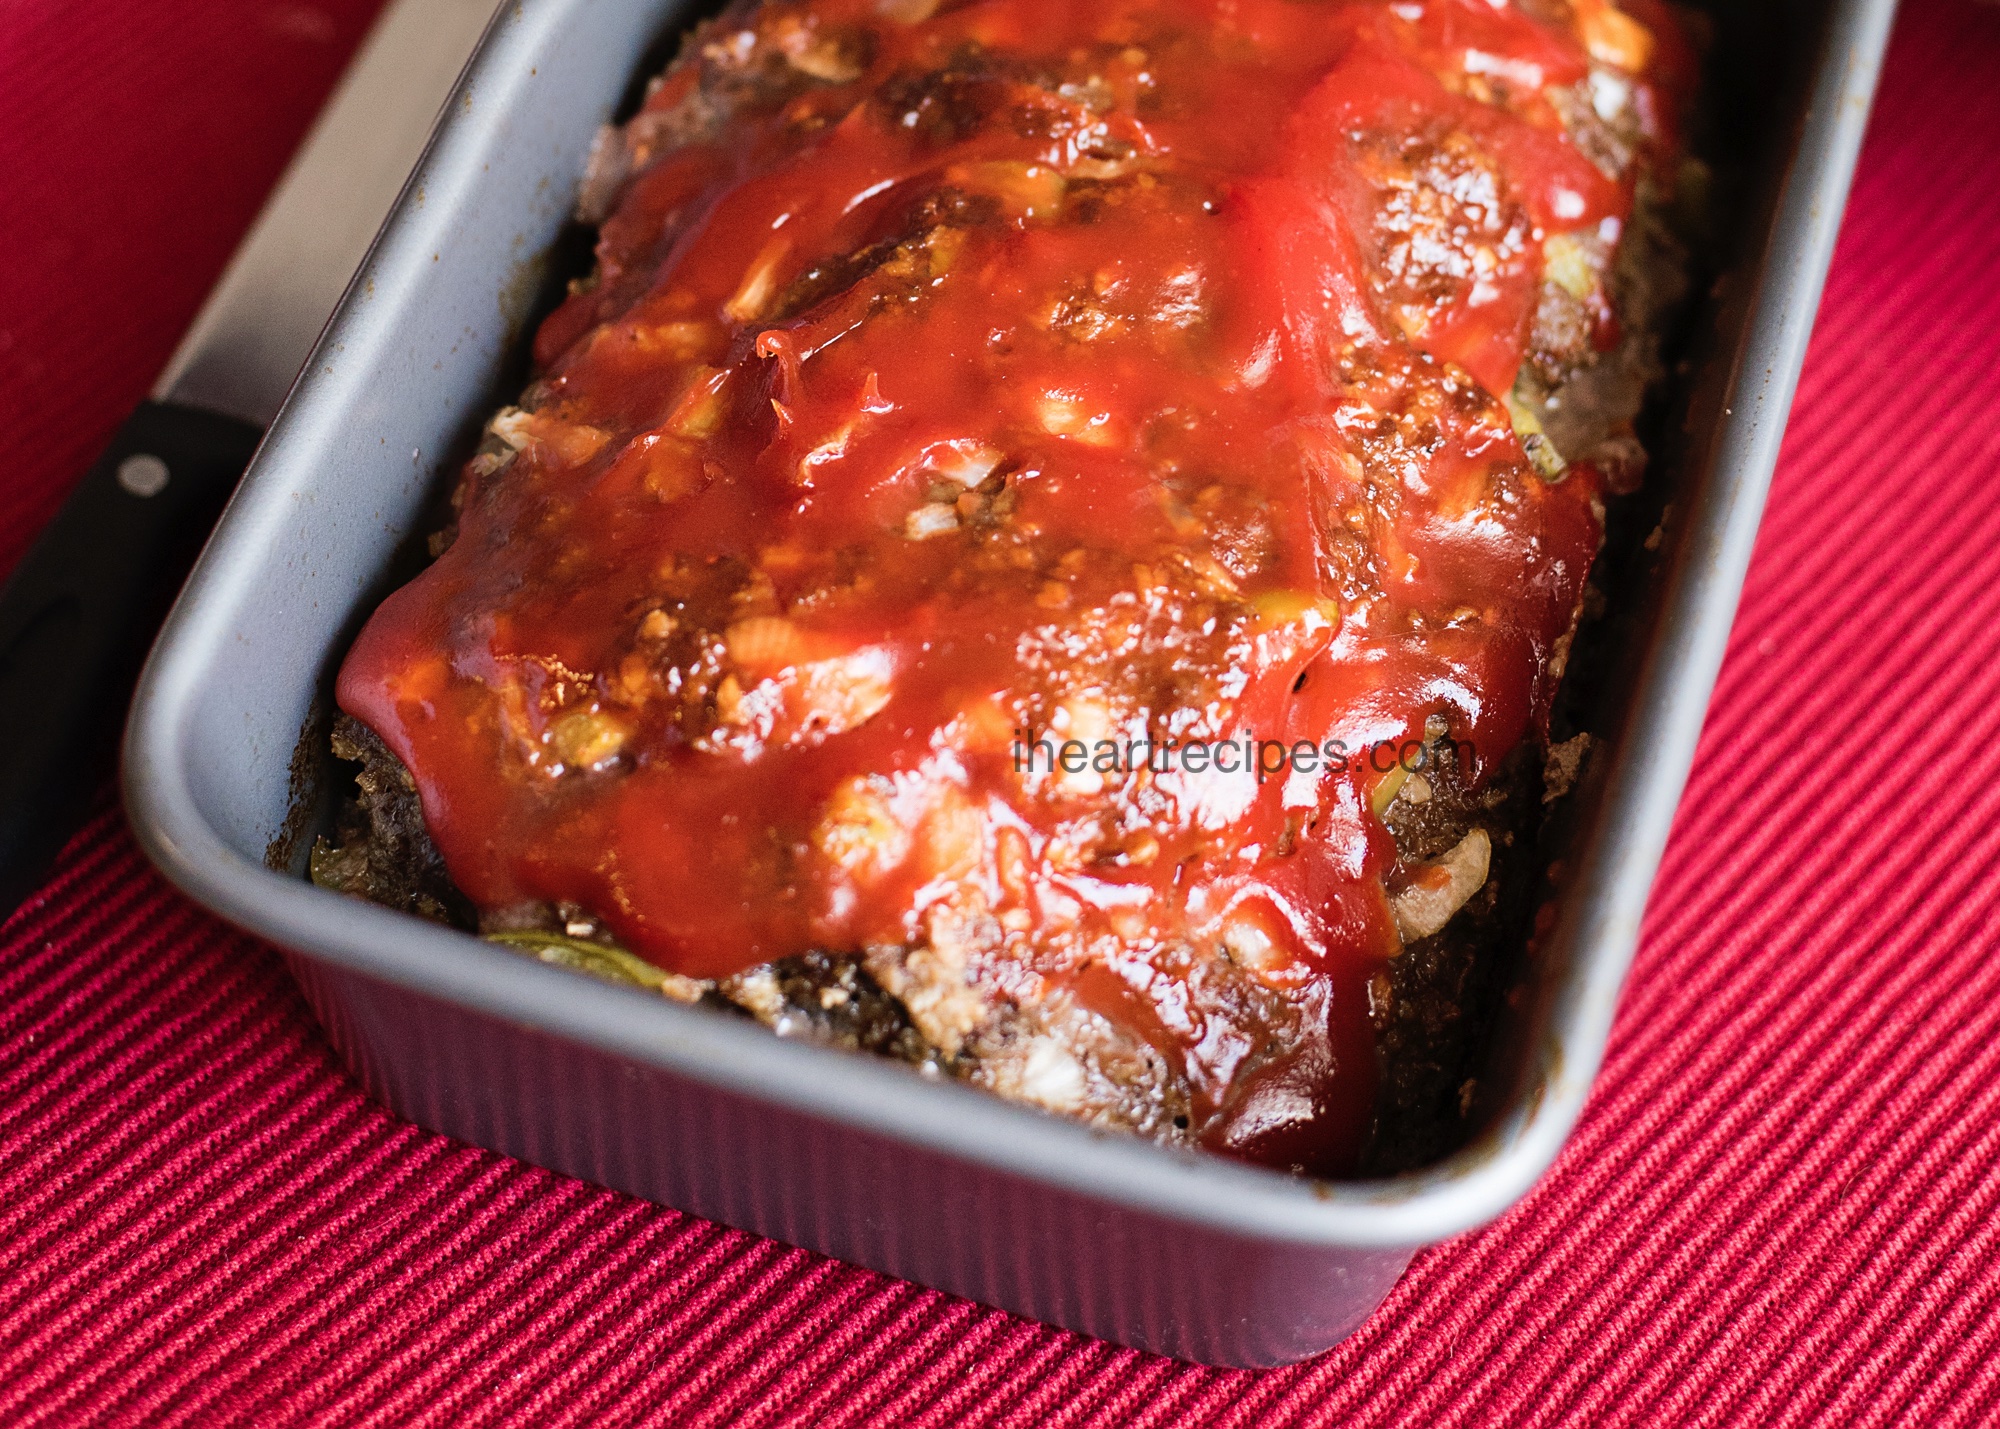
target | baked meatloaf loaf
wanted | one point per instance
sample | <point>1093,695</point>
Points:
<point>1046,544</point>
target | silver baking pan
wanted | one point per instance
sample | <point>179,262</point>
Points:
<point>1177,1252</point>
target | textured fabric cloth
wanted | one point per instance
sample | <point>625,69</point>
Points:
<point>1781,1205</point>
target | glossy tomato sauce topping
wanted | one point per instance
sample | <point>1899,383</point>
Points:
<point>964,385</point>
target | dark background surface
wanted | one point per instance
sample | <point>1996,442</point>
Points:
<point>1780,1208</point>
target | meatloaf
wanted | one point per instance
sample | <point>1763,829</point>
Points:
<point>1046,544</point>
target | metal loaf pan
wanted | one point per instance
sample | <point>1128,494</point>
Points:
<point>1180,1253</point>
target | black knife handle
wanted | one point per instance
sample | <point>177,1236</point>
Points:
<point>79,612</point>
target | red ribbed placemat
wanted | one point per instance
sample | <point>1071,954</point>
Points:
<point>1781,1206</point>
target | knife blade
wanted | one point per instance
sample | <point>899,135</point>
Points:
<point>80,610</point>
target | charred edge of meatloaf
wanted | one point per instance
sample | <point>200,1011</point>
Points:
<point>1433,1005</point>
<point>381,850</point>
<point>831,997</point>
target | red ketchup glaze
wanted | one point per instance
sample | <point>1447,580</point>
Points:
<point>1151,311</point>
